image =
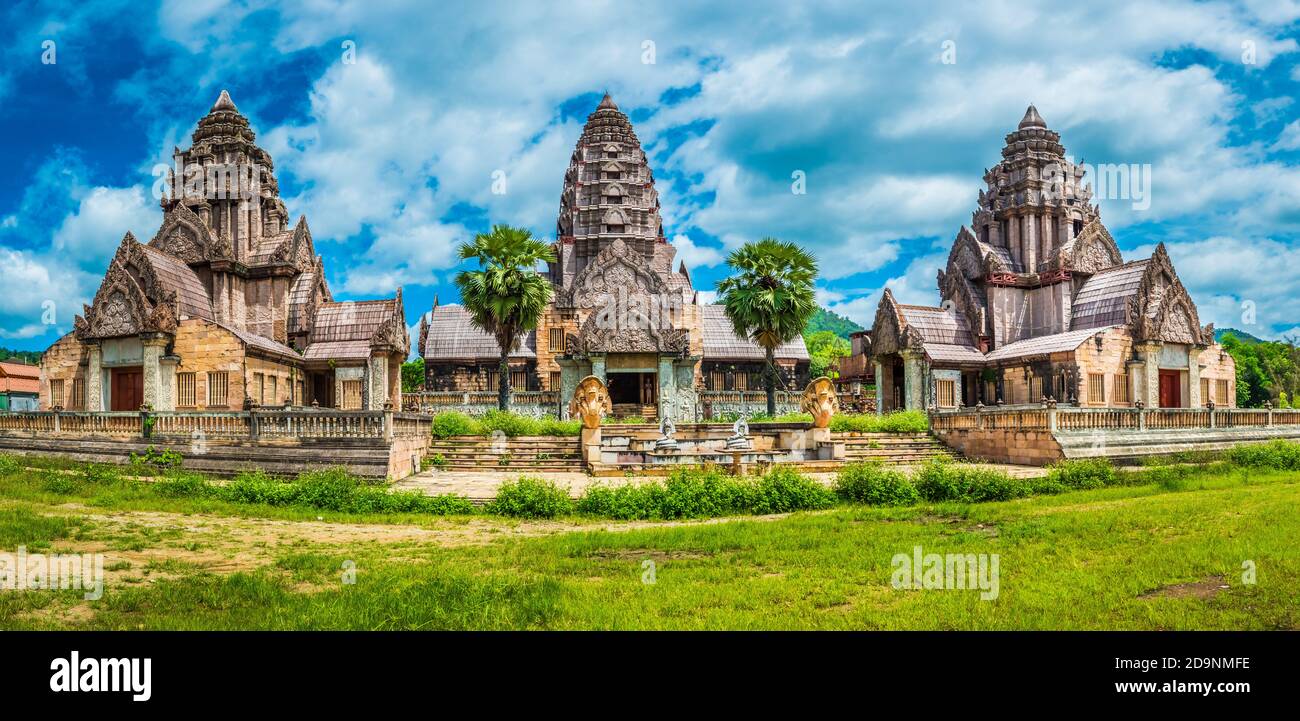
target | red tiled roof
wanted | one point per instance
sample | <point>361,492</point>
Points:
<point>19,378</point>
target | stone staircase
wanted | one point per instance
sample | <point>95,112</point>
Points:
<point>636,410</point>
<point>522,454</point>
<point>892,448</point>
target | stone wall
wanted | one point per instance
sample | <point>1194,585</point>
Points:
<point>205,347</point>
<point>65,360</point>
<point>1022,447</point>
<point>284,390</point>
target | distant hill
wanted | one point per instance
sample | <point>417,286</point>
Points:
<point>824,319</point>
<point>30,357</point>
<point>1242,335</point>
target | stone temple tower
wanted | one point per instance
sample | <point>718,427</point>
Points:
<point>1036,201</point>
<point>609,193</point>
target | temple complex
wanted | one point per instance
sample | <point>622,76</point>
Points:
<point>227,305</point>
<point>620,311</point>
<point>1037,303</point>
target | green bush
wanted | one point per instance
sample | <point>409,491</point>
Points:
<point>101,473</point>
<point>625,503</point>
<point>257,487</point>
<point>1278,455</point>
<point>875,485</point>
<point>1170,477</point>
<point>556,427</point>
<point>1084,473</point>
<point>530,498</point>
<point>159,459</point>
<point>182,485</point>
<point>943,480</point>
<point>783,490</point>
<point>454,423</point>
<point>52,481</point>
<point>913,421</point>
<point>511,424</point>
<point>330,488</point>
<point>9,465</point>
<point>699,493</point>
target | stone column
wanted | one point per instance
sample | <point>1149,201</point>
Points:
<point>913,393</point>
<point>667,389</point>
<point>598,367</point>
<point>880,388</point>
<point>167,383</point>
<point>1031,242</point>
<point>1194,399</point>
<point>1150,373</point>
<point>1013,243</point>
<point>376,383</point>
<point>94,378</point>
<point>154,347</point>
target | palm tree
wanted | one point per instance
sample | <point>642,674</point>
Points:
<point>769,299</point>
<point>506,296</point>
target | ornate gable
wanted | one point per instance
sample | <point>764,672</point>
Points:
<point>392,335</point>
<point>889,333</point>
<point>1162,309</point>
<point>183,235</point>
<point>617,271</point>
<point>121,306</point>
<point>1093,250</point>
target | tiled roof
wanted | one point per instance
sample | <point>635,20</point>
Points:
<point>722,343</point>
<point>937,325</point>
<point>338,350</point>
<point>266,247</point>
<point>177,276</point>
<point>299,297</point>
<point>19,378</point>
<point>1103,298</point>
<point>351,320</point>
<point>952,353</point>
<point>263,343</point>
<point>453,337</point>
<point>1056,343</point>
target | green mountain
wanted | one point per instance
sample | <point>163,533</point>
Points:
<point>30,357</point>
<point>823,319</point>
<point>1242,335</point>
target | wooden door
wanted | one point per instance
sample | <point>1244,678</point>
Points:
<point>1170,390</point>
<point>127,392</point>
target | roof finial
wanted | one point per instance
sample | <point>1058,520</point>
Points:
<point>224,103</point>
<point>1032,119</point>
<point>607,102</point>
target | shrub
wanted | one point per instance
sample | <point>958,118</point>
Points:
<point>783,490</point>
<point>912,421</point>
<point>556,427</point>
<point>1084,473</point>
<point>625,503</point>
<point>437,460</point>
<point>699,493</point>
<point>331,488</point>
<point>155,458</point>
<point>182,485</point>
<point>8,465</point>
<point>257,487</point>
<point>511,424</point>
<point>530,498</point>
<point>101,473</point>
<point>1278,455</point>
<point>942,480</point>
<point>454,423</point>
<point>1170,478</point>
<point>63,484</point>
<point>875,485</point>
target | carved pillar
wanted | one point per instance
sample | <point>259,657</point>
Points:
<point>1013,243</point>
<point>1150,374</point>
<point>598,367</point>
<point>376,384</point>
<point>94,378</point>
<point>880,388</point>
<point>1031,242</point>
<point>913,393</point>
<point>667,389</point>
<point>1194,399</point>
<point>154,347</point>
<point>167,383</point>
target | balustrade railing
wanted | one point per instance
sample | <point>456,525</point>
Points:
<point>287,424</point>
<point>1072,418</point>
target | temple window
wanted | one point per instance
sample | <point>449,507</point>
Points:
<point>78,393</point>
<point>1221,392</point>
<point>1078,227</point>
<point>614,229</point>
<point>555,380</point>
<point>259,388</point>
<point>519,380</point>
<point>1096,389</point>
<point>1035,389</point>
<point>1120,388</point>
<point>717,381</point>
<point>946,391</point>
<point>218,389</point>
<point>350,399</point>
<point>56,393</point>
<point>556,336</point>
<point>185,397</point>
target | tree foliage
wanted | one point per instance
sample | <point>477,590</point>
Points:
<point>823,319</point>
<point>824,349</point>
<point>769,298</point>
<point>1266,371</point>
<point>506,296</point>
<point>413,376</point>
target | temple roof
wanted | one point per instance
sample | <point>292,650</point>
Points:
<point>175,275</point>
<point>452,337</point>
<point>1103,299</point>
<point>19,378</point>
<point>1042,345</point>
<point>224,103</point>
<point>722,343</point>
<point>1032,119</point>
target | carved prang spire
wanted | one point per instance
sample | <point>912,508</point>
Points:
<point>609,191</point>
<point>1035,201</point>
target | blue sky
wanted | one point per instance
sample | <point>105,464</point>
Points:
<point>890,112</point>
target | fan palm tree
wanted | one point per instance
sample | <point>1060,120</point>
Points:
<point>506,296</point>
<point>769,299</point>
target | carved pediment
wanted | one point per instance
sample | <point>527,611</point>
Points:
<point>183,235</point>
<point>888,332</point>
<point>616,272</point>
<point>1162,307</point>
<point>1094,249</point>
<point>130,299</point>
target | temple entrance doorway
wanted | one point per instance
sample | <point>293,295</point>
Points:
<point>322,389</point>
<point>1170,387</point>
<point>126,392</point>
<point>633,394</point>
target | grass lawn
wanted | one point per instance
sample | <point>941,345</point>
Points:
<point>1127,557</point>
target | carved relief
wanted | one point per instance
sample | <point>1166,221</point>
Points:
<point>819,399</point>
<point>590,402</point>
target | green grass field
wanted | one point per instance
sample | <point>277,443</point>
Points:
<point>1122,557</point>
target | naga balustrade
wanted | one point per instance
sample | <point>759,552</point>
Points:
<point>1072,418</point>
<point>280,423</point>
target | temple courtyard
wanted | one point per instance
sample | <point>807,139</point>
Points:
<point>1175,546</point>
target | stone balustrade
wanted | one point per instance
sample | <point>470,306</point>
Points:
<point>1065,419</point>
<point>476,403</point>
<point>279,423</point>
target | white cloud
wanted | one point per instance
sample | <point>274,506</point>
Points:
<point>696,256</point>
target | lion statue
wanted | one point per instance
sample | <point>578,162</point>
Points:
<point>820,400</point>
<point>590,402</point>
